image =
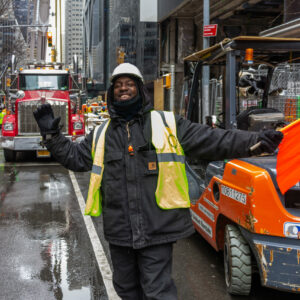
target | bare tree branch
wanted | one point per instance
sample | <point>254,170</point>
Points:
<point>6,7</point>
<point>12,40</point>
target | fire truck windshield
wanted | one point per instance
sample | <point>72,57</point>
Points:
<point>31,82</point>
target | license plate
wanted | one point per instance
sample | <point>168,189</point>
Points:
<point>43,153</point>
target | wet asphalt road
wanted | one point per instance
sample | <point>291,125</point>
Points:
<point>45,251</point>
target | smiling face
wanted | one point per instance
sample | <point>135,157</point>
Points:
<point>124,89</point>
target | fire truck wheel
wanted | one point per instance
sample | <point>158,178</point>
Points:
<point>237,262</point>
<point>9,155</point>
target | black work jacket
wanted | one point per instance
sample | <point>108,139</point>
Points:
<point>131,216</point>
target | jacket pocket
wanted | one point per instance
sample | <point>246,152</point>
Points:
<point>113,165</point>
<point>148,163</point>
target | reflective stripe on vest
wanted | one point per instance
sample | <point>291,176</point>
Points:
<point>172,186</point>
<point>94,199</point>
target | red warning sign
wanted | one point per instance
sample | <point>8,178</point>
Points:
<point>210,30</point>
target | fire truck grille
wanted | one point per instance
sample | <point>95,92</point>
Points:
<point>26,122</point>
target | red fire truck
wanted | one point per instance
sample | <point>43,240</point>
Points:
<point>39,83</point>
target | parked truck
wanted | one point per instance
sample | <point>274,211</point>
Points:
<point>241,211</point>
<point>26,89</point>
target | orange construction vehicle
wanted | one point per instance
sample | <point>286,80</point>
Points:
<point>254,84</point>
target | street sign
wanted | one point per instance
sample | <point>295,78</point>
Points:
<point>210,30</point>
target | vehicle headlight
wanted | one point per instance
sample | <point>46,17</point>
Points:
<point>77,125</point>
<point>292,230</point>
<point>8,126</point>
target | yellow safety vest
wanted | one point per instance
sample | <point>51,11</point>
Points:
<point>172,185</point>
<point>94,199</point>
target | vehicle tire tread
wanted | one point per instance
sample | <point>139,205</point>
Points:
<point>241,267</point>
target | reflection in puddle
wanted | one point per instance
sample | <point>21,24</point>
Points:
<point>69,267</point>
<point>70,273</point>
<point>38,209</point>
<point>8,176</point>
<point>56,271</point>
<point>25,273</point>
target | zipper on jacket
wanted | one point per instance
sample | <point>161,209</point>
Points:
<point>130,147</point>
<point>128,131</point>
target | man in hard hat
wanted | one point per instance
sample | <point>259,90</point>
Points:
<point>138,178</point>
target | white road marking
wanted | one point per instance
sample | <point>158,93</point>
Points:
<point>96,244</point>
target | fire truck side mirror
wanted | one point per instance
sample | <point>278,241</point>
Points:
<point>18,95</point>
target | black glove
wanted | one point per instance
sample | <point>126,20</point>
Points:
<point>45,119</point>
<point>268,141</point>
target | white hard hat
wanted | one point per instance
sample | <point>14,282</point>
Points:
<point>126,69</point>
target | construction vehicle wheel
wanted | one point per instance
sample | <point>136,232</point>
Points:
<point>9,155</point>
<point>237,262</point>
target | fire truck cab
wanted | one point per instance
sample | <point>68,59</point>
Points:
<point>30,87</point>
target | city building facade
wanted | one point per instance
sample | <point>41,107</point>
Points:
<point>73,32</point>
<point>114,33</point>
<point>95,41</point>
<point>23,10</point>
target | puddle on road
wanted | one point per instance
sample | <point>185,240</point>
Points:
<point>8,176</point>
<point>63,273</point>
<point>43,205</point>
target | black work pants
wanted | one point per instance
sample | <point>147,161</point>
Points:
<point>143,273</point>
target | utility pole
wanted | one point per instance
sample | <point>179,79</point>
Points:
<point>55,8</point>
<point>205,69</point>
<point>60,31</point>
